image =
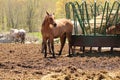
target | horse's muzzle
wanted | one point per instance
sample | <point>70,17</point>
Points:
<point>54,24</point>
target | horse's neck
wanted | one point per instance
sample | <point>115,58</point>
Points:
<point>45,24</point>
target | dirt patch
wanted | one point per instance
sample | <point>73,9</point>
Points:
<point>26,62</point>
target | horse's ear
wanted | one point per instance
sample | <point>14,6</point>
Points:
<point>47,13</point>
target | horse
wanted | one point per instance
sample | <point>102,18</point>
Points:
<point>59,28</point>
<point>114,29</point>
<point>76,29</point>
<point>22,34</point>
<point>18,35</point>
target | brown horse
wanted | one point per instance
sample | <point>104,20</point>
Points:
<point>114,29</point>
<point>53,29</point>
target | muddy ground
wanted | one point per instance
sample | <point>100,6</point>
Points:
<point>26,62</point>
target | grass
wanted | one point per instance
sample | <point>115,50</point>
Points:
<point>39,36</point>
<point>35,35</point>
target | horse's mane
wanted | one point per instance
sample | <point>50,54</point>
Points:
<point>44,21</point>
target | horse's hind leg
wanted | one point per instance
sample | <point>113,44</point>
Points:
<point>62,41</point>
<point>69,43</point>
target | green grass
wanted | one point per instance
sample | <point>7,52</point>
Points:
<point>35,35</point>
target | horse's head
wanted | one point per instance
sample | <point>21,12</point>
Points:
<point>50,19</point>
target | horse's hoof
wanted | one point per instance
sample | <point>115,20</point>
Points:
<point>42,51</point>
<point>59,54</point>
<point>50,52</point>
<point>69,55</point>
<point>45,56</point>
<point>54,57</point>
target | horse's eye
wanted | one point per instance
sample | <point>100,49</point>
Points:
<point>51,19</point>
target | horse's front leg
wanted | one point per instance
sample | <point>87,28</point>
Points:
<point>23,40</point>
<point>52,47</point>
<point>49,46</point>
<point>44,47</point>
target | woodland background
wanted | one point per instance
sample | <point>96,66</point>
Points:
<point>29,14</point>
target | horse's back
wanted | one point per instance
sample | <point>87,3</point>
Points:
<point>63,21</point>
<point>65,24</point>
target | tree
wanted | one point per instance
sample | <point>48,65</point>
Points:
<point>60,5</point>
<point>30,13</point>
<point>26,14</point>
